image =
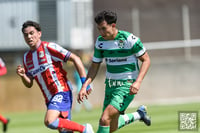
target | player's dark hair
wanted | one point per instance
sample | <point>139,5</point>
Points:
<point>109,16</point>
<point>31,23</point>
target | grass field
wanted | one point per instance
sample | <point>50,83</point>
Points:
<point>164,120</point>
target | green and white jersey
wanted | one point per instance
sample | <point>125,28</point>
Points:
<point>120,55</point>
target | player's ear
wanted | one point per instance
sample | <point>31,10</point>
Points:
<point>113,25</point>
<point>40,33</point>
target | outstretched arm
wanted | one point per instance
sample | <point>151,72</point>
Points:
<point>134,88</point>
<point>27,81</point>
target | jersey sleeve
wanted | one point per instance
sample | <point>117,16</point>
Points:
<point>138,48</point>
<point>58,53</point>
<point>25,66</point>
<point>98,56</point>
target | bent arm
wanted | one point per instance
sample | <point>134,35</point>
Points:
<point>92,72</point>
<point>78,64</point>
<point>27,81</point>
<point>134,88</point>
<point>144,66</point>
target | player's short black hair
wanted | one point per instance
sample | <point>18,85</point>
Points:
<point>109,16</point>
<point>31,23</point>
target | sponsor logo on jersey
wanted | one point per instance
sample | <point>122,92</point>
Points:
<point>100,45</point>
<point>38,70</point>
<point>116,60</point>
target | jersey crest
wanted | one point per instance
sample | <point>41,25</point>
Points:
<point>121,44</point>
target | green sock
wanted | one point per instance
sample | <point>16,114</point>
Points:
<point>127,119</point>
<point>103,129</point>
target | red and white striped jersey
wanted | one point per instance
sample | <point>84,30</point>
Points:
<point>45,66</point>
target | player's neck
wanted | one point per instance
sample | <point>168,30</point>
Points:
<point>115,32</point>
<point>36,46</point>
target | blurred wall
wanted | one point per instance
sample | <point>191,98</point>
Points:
<point>66,22</point>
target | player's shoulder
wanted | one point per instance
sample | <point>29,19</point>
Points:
<point>45,43</point>
<point>125,33</point>
<point>100,38</point>
<point>51,45</point>
<point>99,41</point>
<point>130,37</point>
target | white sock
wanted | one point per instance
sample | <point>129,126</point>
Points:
<point>136,115</point>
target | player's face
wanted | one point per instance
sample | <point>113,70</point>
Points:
<point>32,36</point>
<point>106,30</point>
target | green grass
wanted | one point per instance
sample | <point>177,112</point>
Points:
<point>164,120</point>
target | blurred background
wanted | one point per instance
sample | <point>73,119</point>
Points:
<point>168,29</point>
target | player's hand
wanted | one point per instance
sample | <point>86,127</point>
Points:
<point>20,71</point>
<point>82,94</point>
<point>134,88</point>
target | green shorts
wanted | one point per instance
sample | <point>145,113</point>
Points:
<point>117,94</point>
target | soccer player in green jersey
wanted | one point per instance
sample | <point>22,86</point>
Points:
<point>121,51</point>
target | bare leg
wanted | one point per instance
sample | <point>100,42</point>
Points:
<point>109,118</point>
<point>51,115</point>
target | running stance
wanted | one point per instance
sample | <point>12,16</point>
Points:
<point>121,51</point>
<point>43,62</point>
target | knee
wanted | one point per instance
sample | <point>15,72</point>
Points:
<point>105,120</point>
<point>46,122</point>
<point>52,124</point>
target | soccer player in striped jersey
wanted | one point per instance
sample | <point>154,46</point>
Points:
<point>121,51</point>
<point>43,62</point>
<point>3,71</point>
